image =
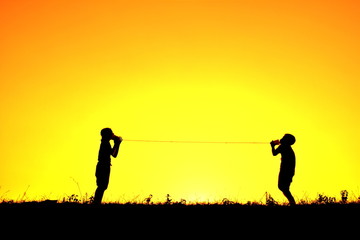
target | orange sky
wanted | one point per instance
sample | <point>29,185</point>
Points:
<point>178,70</point>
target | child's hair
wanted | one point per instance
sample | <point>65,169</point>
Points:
<point>106,133</point>
<point>290,139</point>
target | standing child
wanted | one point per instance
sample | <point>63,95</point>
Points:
<point>287,167</point>
<point>104,162</point>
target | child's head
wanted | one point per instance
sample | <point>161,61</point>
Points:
<point>106,133</point>
<point>288,139</point>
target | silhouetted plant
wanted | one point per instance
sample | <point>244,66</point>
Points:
<point>148,199</point>
<point>91,200</point>
<point>270,201</point>
<point>182,201</point>
<point>322,199</point>
<point>226,201</point>
<point>73,198</point>
<point>344,196</point>
<point>168,199</point>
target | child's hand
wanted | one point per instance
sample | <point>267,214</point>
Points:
<point>117,139</point>
<point>275,142</point>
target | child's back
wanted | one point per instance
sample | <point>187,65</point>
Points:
<point>287,159</point>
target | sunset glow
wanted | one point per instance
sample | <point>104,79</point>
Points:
<point>202,70</point>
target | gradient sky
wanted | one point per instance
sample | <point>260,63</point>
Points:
<point>178,70</point>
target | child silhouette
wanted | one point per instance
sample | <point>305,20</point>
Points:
<point>104,162</point>
<point>287,166</point>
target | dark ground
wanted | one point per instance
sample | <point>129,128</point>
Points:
<point>51,210</point>
<point>180,221</point>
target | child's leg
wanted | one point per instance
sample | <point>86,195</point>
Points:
<point>102,181</point>
<point>289,196</point>
<point>284,186</point>
<point>99,193</point>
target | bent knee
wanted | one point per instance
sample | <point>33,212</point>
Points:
<point>284,187</point>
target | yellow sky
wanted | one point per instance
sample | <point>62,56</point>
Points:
<point>178,70</point>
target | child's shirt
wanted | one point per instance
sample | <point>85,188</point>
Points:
<point>105,152</point>
<point>287,158</point>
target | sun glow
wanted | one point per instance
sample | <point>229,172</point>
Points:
<point>178,70</point>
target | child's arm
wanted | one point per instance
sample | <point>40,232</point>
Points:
<point>275,151</point>
<point>115,149</point>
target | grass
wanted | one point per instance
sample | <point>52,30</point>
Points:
<point>74,199</point>
<point>73,212</point>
